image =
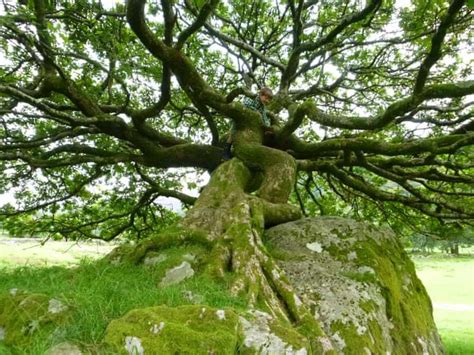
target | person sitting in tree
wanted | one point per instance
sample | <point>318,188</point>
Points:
<point>257,104</point>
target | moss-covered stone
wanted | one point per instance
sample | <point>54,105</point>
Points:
<point>359,283</point>
<point>24,316</point>
<point>193,329</point>
<point>174,237</point>
<point>201,329</point>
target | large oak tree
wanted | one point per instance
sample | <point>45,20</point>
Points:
<point>373,106</point>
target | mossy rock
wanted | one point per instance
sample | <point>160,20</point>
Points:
<point>24,316</point>
<point>359,283</point>
<point>192,329</point>
<point>200,329</point>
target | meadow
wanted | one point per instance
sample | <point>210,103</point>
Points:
<point>450,284</point>
<point>101,292</point>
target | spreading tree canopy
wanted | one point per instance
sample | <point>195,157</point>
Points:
<point>99,106</point>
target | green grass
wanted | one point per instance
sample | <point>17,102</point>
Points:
<point>100,292</point>
<point>450,281</point>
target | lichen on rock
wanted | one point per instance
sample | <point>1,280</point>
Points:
<point>153,259</point>
<point>133,346</point>
<point>56,306</point>
<point>177,274</point>
<point>359,283</point>
<point>262,334</point>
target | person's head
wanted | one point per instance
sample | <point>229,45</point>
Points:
<point>265,95</point>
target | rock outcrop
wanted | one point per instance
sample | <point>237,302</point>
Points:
<point>359,283</point>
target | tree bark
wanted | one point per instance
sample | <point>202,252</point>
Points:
<point>454,249</point>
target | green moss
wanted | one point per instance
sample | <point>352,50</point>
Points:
<point>376,332</point>
<point>173,237</point>
<point>368,306</point>
<point>281,254</point>
<point>26,316</point>
<point>199,330</point>
<point>257,216</point>
<point>336,253</point>
<point>178,235</point>
<point>353,340</point>
<point>289,335</point>
<point>405,304</point>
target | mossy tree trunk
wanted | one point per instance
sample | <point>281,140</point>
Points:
<point>230,217</point>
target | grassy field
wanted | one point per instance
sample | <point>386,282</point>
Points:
<point>450,284</point>
<point>102,292</point>
<point>30,252</point>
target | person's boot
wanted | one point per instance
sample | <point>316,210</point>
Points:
<point>227,155</point>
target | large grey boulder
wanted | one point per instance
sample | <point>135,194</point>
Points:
<point>359,283</point>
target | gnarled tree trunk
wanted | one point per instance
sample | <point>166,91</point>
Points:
<point>231,221</point>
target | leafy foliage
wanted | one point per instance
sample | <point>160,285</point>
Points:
<point>100,105</point>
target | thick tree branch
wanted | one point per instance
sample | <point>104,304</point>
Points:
<point>45,46</point>
<point>393,111</point>
<point>436,43</point>
<point>139,117</point>
<point>43,141</point>
<point>200,93</point>
<point>201,19</point>
<point>73,160</point>
<point>439,145</point>
<point>170,20</point>
<point>294,59</point>
<point>44,106</point>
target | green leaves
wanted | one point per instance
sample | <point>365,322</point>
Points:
<point>199,3</point>
<point>88,120</point>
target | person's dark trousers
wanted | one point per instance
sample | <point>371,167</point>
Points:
<point>227,155</point>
